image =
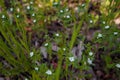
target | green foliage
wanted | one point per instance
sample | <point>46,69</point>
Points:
<point>26,27</point>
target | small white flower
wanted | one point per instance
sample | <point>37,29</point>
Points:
<point>49,72</point>
<point>28,7</point>
<point>61,11</point>
<point>76,9</point>
<point>83,5</point>
<point>66,9</point>
<point>31,54</point>
<point>90,53</point>
<point>34,20</point>
<point>117,65</point>
<point>18,16</point>
<point>91,21</point>
<point>31,2</point>
<point>99,35</point>
<point>55,3</point>
<point>71,59</point>
<point>57,34</point>
<point>89,61</point>
<point>36,68</point>
<point>115,33</point>
<point>45,20</point>
<point>64,49</point>
<point>11,9</point>
<point>18,9</point>
<point>3,16</point>
<point>26,78</point>
<point>103,22</point>
<point>40,6</point>
<point>46,44</point>
<point>68,16</point>
<point>107,27</point>
<point>33,14</point>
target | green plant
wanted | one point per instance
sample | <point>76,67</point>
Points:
<point>47,40</point>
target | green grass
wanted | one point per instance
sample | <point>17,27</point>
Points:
<point>25,31</point>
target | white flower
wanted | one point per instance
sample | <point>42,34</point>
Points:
<point>90,53</point>
<point>28,7</point>
<point>49,72</point>
<point>91,21</point>
<point>64,49</point>
<point>34,20</point>
<point>71,59</point>
<point>61,11</point>
<point>31,54</point>
<point>103,22</point>
<point>45,20</point>
<point>36,68</point>
<point>66,9</point>
<point>11,9</point>
<point>3,16</point>
<point>68,16</point>
<point>40,6</point>
<point>115,33</point>
<point>46,44</point>
<point>33,14</point>
<point>26,78</point>
<point>99,35</point>
<point>117,65</point>
<point>83,5</point>
<point>89,61</point>
<point>76,9</point>
<point>57,34</point>
<point>18,16</point>
<point>31,2</point>
<point>18,9</point>
<point>107,27</point>
<point>55,3</point>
